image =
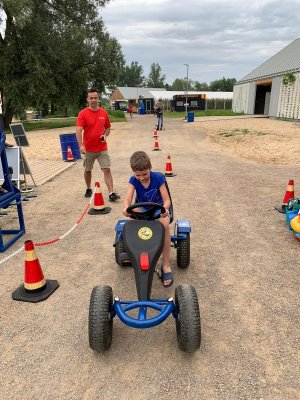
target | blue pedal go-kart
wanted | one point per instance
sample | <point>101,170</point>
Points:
<point>291,214</point>
<point>139,243</point>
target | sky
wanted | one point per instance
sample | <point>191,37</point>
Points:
<point>215,38</point>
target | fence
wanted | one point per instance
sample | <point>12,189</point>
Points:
<point>210,104</point>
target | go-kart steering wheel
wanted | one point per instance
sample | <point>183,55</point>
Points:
<point>147,214</point>
<point>290,204</point>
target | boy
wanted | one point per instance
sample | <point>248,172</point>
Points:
<point>150,187</point>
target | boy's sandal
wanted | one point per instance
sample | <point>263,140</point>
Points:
<point>167,276</point>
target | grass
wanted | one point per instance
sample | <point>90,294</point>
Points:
<point>206,113</point>
<point>241,132</point>
<point>54,123</point>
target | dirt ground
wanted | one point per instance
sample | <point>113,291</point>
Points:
<point>244,267</point>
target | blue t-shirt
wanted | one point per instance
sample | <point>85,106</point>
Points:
<point>152,193</point>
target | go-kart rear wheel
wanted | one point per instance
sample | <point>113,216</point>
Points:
<point>100,318</point>
<point>188,326</point>
<point>119,249</point>
<point>183,252</point>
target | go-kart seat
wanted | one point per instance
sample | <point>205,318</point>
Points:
<point>171,211</point>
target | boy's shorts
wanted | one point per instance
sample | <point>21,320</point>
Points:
<point>101,156</point>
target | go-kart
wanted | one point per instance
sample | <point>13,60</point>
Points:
<point>292,211</point>
<point>142,242</point>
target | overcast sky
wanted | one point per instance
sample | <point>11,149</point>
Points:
<point>215,37</point>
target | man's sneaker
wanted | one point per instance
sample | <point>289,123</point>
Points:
<point>88,193</point>
<point>114,196</point>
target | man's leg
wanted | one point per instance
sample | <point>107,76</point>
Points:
<point>88,178</point>
<point>108,179</point>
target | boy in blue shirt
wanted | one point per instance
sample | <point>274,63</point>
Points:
<point>151,187</point>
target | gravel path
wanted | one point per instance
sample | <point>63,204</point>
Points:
<point>244,266</point>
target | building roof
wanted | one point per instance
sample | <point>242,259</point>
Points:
<point>286,60</point>
<point>168,95</point>
<point>135,92</point>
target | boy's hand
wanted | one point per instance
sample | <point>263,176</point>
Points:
<point>82,149</point>
<point>166,214</point>
<point>126,214</point>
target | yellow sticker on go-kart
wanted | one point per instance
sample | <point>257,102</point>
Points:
<point>145,233</point>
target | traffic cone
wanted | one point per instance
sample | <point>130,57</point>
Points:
<point>70,155</point>
<point>155,133</point>
<point>289,194</point>
<point>156,146</point>
<point>169,171</point>
<point>35,288</point>
<point>99,206</point>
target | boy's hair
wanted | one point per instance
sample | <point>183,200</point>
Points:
<point>139,161</point>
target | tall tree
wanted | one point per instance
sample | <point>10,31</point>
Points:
<point>50,51</point>
<point>198,86</point>
<point>156,79</point>
<point>131,76</point>
<point>180,84</point>
<point>222,85</point>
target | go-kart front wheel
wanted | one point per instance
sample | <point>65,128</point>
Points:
<point>188,326</point>
<point>100,318</point>
<point>183,252</point>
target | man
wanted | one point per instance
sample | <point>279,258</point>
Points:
<point>159,108</point>
<point>92,129</point>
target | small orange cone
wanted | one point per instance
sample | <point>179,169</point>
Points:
<point>169,171</point>
<point>156,146</point>
<point>70,155</point>
<point>155,133</point>
<point>35,288</point>
<point>289,194</point>
<point>99,206</point>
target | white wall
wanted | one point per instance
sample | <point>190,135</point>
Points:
<point>289,100</point>
<point>240,98</point>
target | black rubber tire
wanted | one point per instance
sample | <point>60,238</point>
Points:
<point>100,319</point>
<point>183,252</point>
<point>188,324</point>
<point>119,249</point>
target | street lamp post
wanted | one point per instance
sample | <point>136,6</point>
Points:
<point>187,88</point>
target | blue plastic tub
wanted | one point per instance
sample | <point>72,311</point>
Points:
<point>69,139</point>
<point>190,116</point>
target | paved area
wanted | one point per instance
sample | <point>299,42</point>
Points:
<point>45,170</point>
<point>243,266</point>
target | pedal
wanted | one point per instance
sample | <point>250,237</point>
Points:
<point>125,260</point>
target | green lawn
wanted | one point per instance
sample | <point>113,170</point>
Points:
<point>54,123</point>
<point>207,113</point>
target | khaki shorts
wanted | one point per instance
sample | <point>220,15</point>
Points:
<point>102,157</point>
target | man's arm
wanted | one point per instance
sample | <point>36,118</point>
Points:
<point>79,131</point>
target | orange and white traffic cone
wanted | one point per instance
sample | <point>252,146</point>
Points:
<point>99,206</point>
<point>289,194</point>
<point>169,170</point>
<point>35,288</point>
<point>70,155</point>
<point>156,146</point>
<point>155,133</point>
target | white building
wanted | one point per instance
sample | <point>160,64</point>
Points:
<point>273,88</point>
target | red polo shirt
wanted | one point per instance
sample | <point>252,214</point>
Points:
<point>94,124</point>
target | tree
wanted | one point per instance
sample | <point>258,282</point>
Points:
<point>131,76</point>
<point>50,52</point>
<point>180,84</point>
<point>222,85</point>
<point>156,79</point>
<point>201,86</point>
